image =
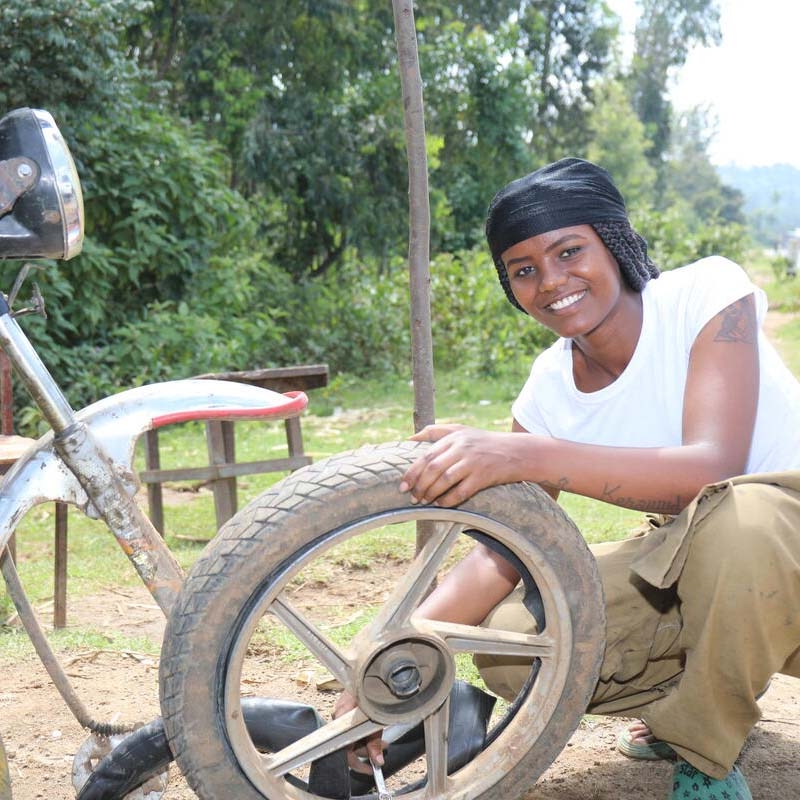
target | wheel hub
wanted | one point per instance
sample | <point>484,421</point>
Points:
<point>406,680</point>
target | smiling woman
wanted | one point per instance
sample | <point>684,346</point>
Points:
<point>661,395</point>
<point>570,192</point>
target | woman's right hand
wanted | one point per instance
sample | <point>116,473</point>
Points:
<point>370,749</point>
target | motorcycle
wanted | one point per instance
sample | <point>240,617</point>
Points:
<point>251,591</point>
<point>86,459</point>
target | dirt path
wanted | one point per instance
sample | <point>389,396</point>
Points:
<point>41,736</point>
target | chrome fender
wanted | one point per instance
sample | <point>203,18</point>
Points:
<point>116,422</point>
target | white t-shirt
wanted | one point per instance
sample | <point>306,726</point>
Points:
<point>643,407</point>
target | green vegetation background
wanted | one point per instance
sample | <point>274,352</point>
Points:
<point>245,172</point>
<point>350,412</point>
<point>245,179</point>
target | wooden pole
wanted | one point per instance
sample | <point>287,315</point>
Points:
<point>419,227</point>
<point>419,215</point>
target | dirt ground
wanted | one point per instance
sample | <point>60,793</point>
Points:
<point>41,736</point>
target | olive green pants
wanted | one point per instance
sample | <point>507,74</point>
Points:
<point>690,654</point>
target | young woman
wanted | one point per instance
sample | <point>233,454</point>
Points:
<point>663,395</point>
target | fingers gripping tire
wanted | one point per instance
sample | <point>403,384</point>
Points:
<point>250,576</point>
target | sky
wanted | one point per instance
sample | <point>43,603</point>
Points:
<point>749,82</point>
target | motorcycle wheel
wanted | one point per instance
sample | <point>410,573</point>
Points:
<point>252,591</point>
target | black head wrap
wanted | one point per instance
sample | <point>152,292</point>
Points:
<point>566,193</point>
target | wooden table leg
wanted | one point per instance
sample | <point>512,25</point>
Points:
<point>294,436</point>
<point>155,496</point>
<point>222,450</point>
<point>60,576</point>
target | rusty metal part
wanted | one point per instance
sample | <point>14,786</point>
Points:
<point>17,175</point>
<point>140,541</point>
<point>39,383</point>
<point>48,657</point>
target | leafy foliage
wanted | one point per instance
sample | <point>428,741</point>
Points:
<point>619,143</point>
<point>475,110</point>
<point>569,45</point>
<point>245,173</point>
<point>676,238</point>
<point>665,33</point>
<point>66,55</point>
<point>692,178</point>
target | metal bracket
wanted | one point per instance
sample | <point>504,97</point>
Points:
<point>17,175</point>
<point>37,305</point>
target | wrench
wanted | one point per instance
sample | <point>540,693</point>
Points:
<point>380,784</point>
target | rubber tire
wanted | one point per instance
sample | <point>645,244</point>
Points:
<point>300,509</point>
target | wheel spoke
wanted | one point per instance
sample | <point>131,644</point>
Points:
<point>313,638</point>
<point>348,729</point>
<point>472,639</point>
<point>412,588</point>
<point>436,750</point>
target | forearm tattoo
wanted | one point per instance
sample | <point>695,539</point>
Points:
<point>611,494</point>
<point>738,323</point>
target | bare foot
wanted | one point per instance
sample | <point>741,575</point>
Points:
<point>638,741</point>
<point>640,733</point>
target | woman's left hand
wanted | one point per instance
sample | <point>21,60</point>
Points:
<point>461,462</point>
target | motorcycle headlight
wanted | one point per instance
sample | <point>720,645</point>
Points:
<point>41,204</point>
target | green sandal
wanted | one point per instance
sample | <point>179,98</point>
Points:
<point>689,783</point>
<point>654,751</point>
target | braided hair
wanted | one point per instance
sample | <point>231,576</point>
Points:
<point>568,192</point>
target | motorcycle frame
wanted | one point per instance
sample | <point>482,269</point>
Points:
<point>87,458</point>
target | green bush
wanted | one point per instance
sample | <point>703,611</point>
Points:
<point>675,238</point>
<point>355,319</point>
<point>359,319</point>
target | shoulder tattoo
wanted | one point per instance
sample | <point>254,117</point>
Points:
<point>738,322</point>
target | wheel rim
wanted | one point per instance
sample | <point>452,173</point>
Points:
<point>415,660</point>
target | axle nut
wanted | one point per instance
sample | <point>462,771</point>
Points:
<point>403,678</point>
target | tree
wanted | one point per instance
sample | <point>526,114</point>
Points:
<point>478,92</point>
<point>158,207</point>
<point>304,99</point>
<point>569,45</point>
<point>65,55</point>
<point>665,33</point>
<point>306,104</point>
<point>619,143</point>
<point>691,176</point>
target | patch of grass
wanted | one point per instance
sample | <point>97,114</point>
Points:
<point>343,416</point>
<point>786,339</point>
<point>359,412</point>
<point>782,292</point>
<point>16,644</point>
<point>600,522</point>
